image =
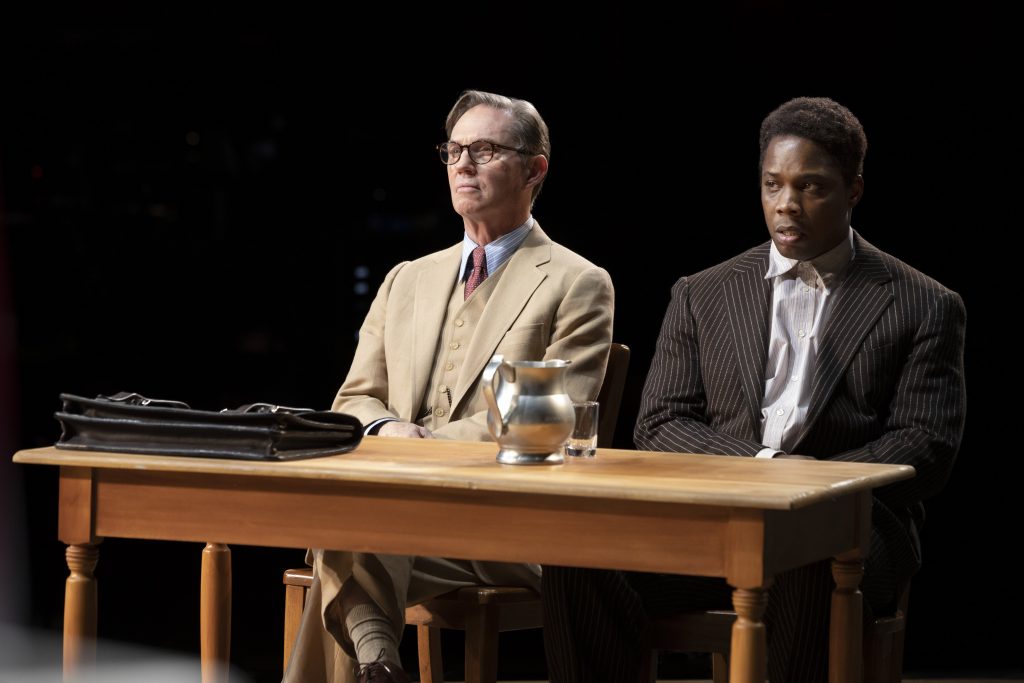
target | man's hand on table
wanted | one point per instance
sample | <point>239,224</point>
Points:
<point>404,429</point>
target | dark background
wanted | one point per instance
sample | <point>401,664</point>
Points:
<point>200,207</point>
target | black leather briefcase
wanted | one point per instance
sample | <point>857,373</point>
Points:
<point>132,423</point>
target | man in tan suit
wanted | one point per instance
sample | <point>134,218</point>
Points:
<point>436,321</point>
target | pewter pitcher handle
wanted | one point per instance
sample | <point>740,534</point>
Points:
<point>496,424</point>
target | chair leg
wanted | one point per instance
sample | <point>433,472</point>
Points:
<point>428,642</point>
<point>649,668</point>
<point>294,600</point>
<point>719,667</point>
<point>883,660</point>
<point>896,672</point>
<point>482,645</point>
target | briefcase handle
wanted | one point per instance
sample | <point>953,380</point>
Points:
<point>267,408</point>
<point>132,399</point>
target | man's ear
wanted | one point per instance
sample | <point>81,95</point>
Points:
<point>536,170</point>
<point>856,191</point>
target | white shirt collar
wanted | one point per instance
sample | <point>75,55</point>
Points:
<point>498,251</point>
<point>825,269</point>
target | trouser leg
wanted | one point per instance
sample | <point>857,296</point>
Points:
<point>324,649</point>
<point>799,604</point>
<point>595,620</point>
<point>317,655</point>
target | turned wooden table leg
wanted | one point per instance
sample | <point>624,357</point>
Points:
<point>80,609</point>
<point>215,613</point>
<point>846,629</point>
<point>749,661</point>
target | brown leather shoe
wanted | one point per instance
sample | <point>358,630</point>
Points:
<point>381,672</point>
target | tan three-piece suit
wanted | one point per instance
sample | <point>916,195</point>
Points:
<point>420,356</point>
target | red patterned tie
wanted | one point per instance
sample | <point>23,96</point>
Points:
<point>479,272</point>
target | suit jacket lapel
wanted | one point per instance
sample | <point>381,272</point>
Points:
<point>748,299</point>
<point>517,284</point>
<point>860,299</point>
<point>433,291</point>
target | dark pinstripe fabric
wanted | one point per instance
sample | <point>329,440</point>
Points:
<point>888,388</point>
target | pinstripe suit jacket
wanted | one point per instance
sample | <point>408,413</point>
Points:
<point>888,384</point>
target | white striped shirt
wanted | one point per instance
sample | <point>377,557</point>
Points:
<point>498,251</point>
<point>800,306</point>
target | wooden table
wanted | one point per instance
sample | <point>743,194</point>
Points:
<point>743,519</point>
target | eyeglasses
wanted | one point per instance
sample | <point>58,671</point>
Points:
<point>480,151</point>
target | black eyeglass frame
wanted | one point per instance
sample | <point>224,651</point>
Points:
<point>454,158</point>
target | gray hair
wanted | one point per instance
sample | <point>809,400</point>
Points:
<point>528,129</point>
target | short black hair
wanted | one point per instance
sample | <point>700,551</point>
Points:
<point>824,122</point>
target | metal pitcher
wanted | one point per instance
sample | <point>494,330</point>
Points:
<point>529,414</point>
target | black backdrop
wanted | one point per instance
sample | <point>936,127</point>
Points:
<point>200,208</point>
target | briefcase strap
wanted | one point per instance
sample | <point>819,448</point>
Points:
<point>133,399</point>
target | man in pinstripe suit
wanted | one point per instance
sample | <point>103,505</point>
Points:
<point>813,345</point>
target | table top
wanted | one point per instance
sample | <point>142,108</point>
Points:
<point>612,475</point>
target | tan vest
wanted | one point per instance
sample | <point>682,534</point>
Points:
<point>449,358</point>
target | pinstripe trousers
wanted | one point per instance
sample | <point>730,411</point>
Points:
<point>595,620</point>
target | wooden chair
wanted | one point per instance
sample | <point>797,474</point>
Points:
<point>610,396</point>
<point>711,632</point>
<point>481,611</point>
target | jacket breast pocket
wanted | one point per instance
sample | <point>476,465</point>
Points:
<point>524,342</point>
<point>872,375</point>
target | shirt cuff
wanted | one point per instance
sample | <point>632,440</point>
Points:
<point>374,427</point>
<point>768,453</point>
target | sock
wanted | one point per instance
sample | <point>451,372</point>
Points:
<point>372,634</point>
